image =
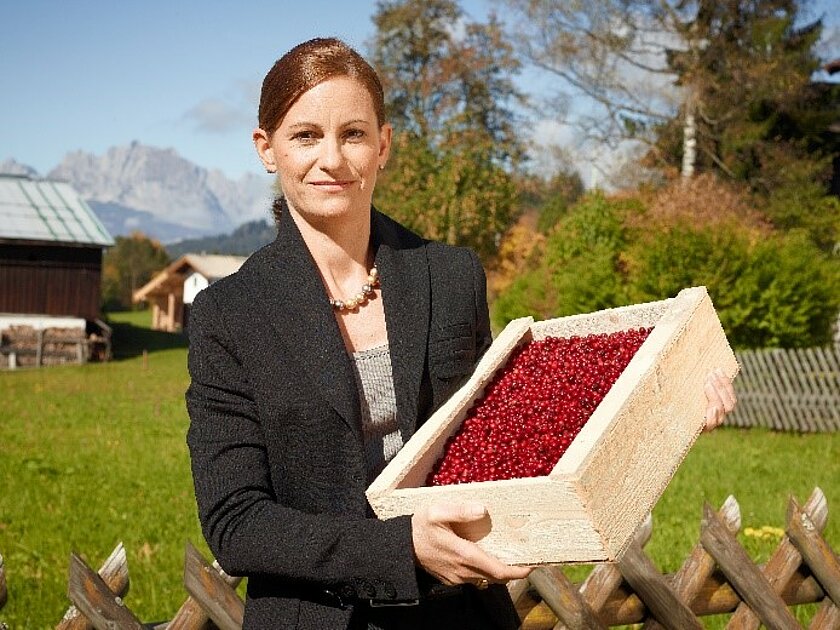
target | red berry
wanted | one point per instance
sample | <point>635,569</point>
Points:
<point>534,406</point>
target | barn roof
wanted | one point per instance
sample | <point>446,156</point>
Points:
<point>214,267</point>
<point>211,267</point>
<point>45,210</point>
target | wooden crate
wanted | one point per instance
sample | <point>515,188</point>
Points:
<point>617,467</point>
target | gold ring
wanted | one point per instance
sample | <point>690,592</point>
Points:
<point>481,584</point>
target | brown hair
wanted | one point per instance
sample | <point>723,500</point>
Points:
<point>305,66</point>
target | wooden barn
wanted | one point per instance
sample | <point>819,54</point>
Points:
<point>171,291</point>
<point>50,259</point>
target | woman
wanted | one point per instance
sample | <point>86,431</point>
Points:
<point>314,363</point>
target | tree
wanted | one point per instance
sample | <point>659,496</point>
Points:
<point>707,75</point>
<point>411,50</point>
<point>748,72</point>
<point>553,197</point>
<point>759,117</point>
<point>455,195</point>
<point>127,266</point>
<point>607,53</point>
<point>447,80</point>
<point>775,291</point>
<point>581,267</point>
<point>450,95</point>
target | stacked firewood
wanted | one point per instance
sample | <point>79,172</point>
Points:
<point>49,346</point>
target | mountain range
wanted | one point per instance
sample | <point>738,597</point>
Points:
<point>243,241</point>
<point>158,192</point>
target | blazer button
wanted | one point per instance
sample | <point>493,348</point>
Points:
<point>366,589</point>
<point>390,591</point>
<point>347,592</point>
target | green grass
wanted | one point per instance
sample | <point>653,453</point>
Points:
<point>90,456</point>
<point>93,455</point>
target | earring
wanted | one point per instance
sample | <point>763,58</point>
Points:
<point>381,167</point>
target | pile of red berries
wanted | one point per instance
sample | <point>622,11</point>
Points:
<point>534,407</point>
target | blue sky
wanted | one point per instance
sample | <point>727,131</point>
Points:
<point>91,74</point>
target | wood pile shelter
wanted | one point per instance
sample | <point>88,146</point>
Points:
<point>51,246</point>
<point>172,291</point>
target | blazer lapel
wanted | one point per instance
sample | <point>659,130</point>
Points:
<point>304,321</point>
<point>404,276</point>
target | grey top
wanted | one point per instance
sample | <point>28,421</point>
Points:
<point>375,382</point>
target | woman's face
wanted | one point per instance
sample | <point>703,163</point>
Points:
<point>327,150</point>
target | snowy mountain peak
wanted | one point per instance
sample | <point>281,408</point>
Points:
<point>143,187</point>
<point>13,167</point>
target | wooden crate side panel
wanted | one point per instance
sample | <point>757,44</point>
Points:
<point>626,472</point>
<point>607,321</point>
<point>530,521</point>
<point>679,311</point>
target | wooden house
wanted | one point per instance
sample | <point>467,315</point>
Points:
<point>172,291</point>
<point>50,258</point>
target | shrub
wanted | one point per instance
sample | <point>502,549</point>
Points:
<point>773,291</point>
<point>529,294</point>
<point>580,270</point>
<point>770,289</point>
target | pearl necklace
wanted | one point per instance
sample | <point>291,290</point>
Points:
<point>361,298</point>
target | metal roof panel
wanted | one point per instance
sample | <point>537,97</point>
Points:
<point>45,210</point>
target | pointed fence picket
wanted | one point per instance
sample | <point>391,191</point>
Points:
<point>4,594</point>
<point>718,577</point>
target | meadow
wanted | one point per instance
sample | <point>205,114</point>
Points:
<point>93,455</point>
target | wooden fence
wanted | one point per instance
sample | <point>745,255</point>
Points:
<point>718,577</point>
<point>792,390</point>
<point>3,592</point>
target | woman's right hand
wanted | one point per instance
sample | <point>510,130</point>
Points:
<point>450,558</point>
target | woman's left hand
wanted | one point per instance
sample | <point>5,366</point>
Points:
<point>720,397</point>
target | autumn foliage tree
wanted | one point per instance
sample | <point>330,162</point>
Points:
<point>450,96</point>
<point>127,266</point>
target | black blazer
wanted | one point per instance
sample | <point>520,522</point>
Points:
<point>275,432</point>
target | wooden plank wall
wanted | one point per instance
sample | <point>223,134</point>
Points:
<point>50,280</point>
<point>789,390</point>
<point>50,290</point>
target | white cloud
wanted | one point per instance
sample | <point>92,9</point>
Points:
<point>829,44</point>
<point>213,115</point>
<point>559,146</point>
<point>247,93</point>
